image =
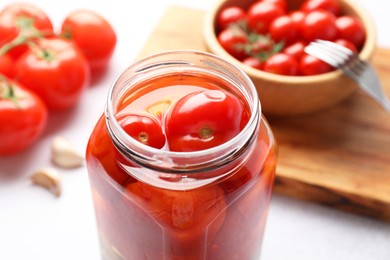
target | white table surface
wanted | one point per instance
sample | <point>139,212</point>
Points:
<point>35,225</point>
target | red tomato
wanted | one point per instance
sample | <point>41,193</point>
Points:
<point>351,29</point>
<point>7,65</point>
<point>261,14</point>
<point>23,117</point>
<point>281,3</point>
<point>284,29</point>
<point>56,70</point>
<point>309,65</point>
<point>282,64</point>
<point>204,119</point>
<point>319,24</point>
<point>144,129</point>
<point>347,44</point>
<point>230,15</point>
<point>298,17</point>
<point>14,19</point>
<point>253,62</point>
<point>233,41</point>
<point>189,217</point>
<point>107,157</point>
<point>296,49</point>
<point>332,6</point>
<point>93,35</point>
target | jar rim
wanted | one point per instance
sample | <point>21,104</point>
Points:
<point>122,139</point>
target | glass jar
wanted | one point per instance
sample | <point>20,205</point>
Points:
<point>160,204</point>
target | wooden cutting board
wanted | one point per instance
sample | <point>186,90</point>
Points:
<point>339,157</point>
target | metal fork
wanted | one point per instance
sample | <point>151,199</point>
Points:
<point>349,62</point>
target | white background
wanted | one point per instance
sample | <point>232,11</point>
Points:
<point>36,225</point>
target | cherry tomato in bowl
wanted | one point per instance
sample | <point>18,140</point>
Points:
<point>23,117</point>
<point>283,95</point>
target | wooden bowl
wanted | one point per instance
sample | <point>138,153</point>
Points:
<point>294,95</point>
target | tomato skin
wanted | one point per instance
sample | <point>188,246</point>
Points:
<point>7,65</point>
<point>21,123</point>
<point>282,64</point>
<point>261,14</point>
<point>204,119</point>
<point>281,3</point>
<point>347,44</point>
<point>284,29</point>
<point>230,15</point>
<point>56,70</point>
<point>332,6</point>
<point>253,62</point>
<point>298,17</point>
<point>232,41</point>
<point>296,49</point>
<point>144,129</point>
<point>351,29</point>
<point>319,24</point>
<point>309,65</point>
<point>93,35</point>
<point>9,29</point>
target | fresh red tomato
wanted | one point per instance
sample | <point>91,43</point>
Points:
<point>296,49</point>
<point>351,29</point>
<point>23,117</point>
<point>309,65</point>
<point>56,70</point>
<point>298,17</point>
<point>233,41</point>
<point>22,18</point>
<point>284,29</point>
<point>282,64</point>
<point>253,62</point>
<point>144,129</point>
<point>281,3</point>
<point>261,14</point>
<point>332,6</point>
<point>7,65</point>
<point>93,35</point>
<point>204,119</point>
<point>188,216</point>
<point>229,15</point>
<point>347,44</point>
<point>319,24</point>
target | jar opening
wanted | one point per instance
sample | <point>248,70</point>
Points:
<point>183,63</point>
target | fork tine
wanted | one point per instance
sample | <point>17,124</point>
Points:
<point>337,56</point>
<point>352,62</point>
<point>335,46</point>
<point>340,54</point>
<point>323,54</point>
<point>349,62</point>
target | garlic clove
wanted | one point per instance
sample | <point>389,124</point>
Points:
<point>64,154</point>
<point>49,179</point>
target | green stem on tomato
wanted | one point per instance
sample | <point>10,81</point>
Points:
<point>41,53</point>
<point>27,32</point>
<point>8,91</point>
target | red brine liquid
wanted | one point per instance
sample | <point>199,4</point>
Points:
<point>210,213</point>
